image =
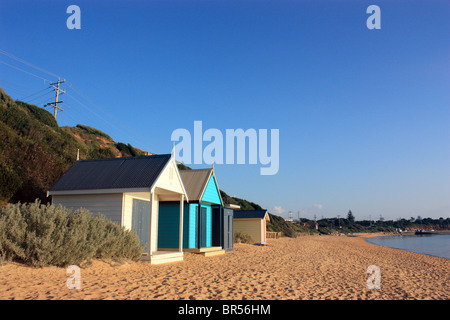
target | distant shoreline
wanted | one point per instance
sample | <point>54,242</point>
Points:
<point>434,232</point>
<point>379,234</point>
<point>409,246</point>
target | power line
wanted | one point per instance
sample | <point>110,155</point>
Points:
<point>96,114</point>
<point>16,87</point>
<point>111,116</point>
<point>58,91</point>
<point>69,107</point>
<point>23,99</point>
<point>10,55</point>
<point>35,98</point>
<point>89,109</point>
<point>32,74</point>
<point>14,90</point>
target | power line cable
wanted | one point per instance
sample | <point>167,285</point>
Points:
<point>29,96</point>
<point>24,89</point>
<point>10,65</point>
<point>13,90</point>
<point>112,117</point>
<point>10,55</point>
<point>71,86</point>
<point>96,114</point>
<point>35,98</point>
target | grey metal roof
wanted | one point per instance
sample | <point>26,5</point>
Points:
<point>195,182</point>
<point>113,173</point>
<point>249,214</point>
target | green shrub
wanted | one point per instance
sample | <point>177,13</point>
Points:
<point>93,131</point>
<point>101,153</point>
<point>240,237</point>
<point>128,150</point>
<point>114,242</point>
<point>44,235</point>
<point>12,234</point>
<point>40,114</point>
<point>10,181</point>
<point>323,230</point>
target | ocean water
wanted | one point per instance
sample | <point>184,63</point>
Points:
<point>435,245</point>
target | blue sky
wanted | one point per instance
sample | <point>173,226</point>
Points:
<point>363,114</point>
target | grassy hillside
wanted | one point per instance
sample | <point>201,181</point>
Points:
<point>97,144</point>
<point>245,205</point>
<point>287,228</point>
<point>35,151</point>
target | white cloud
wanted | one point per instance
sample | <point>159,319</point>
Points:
<point>278,210</point>
<point>318,206</point>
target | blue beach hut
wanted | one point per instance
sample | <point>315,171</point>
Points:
<point>203,216</point>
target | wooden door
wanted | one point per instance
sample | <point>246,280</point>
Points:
<point>228,229</point>
<point>202,227</point>
<point>141,221</point>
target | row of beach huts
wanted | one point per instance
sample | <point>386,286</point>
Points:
<point>172,211</point>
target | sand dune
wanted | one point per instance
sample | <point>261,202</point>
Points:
<point>311,267</point>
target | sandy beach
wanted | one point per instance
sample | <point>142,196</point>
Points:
<point>310,267</point>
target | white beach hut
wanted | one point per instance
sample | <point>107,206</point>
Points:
<point>127,191</point>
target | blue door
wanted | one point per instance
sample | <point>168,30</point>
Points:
<point>141,221</point>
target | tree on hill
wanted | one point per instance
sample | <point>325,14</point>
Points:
<point>350,216</point>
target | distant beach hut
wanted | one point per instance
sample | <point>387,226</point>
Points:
<point>204,219</point>
<point>128,191</point>
<point>253,223</point>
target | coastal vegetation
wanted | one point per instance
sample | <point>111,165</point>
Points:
<point>45,235</point>
<point>345,225</point>
<point>349,225</point>
<point>287,228</point>
<point>240,237</point>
